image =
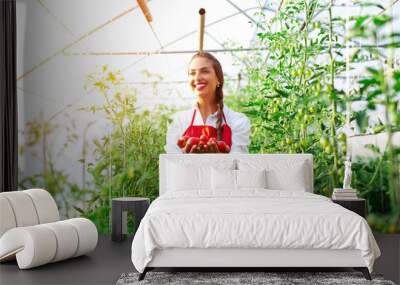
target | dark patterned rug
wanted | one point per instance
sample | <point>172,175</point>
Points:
<point>230,278</point>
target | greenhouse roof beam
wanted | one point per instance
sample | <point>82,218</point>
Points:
<point>130,65</point>
<point>223,46</point>
<point>242,11</point>
<point>185,36</point>
<point>161,52</point>
<point>264,7</point>
<point>168,82</point>
<point>55,18</point>
<point>75,41</point>
<point>232,79</point>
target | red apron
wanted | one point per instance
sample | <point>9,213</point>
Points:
<point>210,131</point>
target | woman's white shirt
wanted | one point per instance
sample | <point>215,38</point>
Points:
<point>238,122</point>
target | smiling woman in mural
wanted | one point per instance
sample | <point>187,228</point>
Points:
<point>210,126</point>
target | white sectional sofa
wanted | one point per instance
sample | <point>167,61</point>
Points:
<point>31,231</point>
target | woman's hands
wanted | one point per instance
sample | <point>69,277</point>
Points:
<point>202,145</point>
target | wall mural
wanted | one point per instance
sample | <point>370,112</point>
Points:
<point>314,80</point>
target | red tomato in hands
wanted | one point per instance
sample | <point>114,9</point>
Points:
<point>212,139</point>
<point>182,141</point>
<point>202,146</point>
<point>223,147</point>
<point>204,138</point>
<point>190,143</point>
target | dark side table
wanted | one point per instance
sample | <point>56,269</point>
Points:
<point>120,207</point>
<point>357,205</point>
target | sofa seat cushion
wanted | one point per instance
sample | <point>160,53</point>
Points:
<point>40,244</point>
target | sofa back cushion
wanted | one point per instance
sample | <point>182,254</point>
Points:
<point>26,208</point>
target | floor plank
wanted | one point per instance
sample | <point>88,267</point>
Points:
<point>102,266</point>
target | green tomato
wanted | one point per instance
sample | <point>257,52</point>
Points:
<point>342,137</point>
<point>378,129</point>
<point>328,149</point>
<point>276,101</point>
<point>324,142</point>
<point>393,108</point>
<point>295,72</point>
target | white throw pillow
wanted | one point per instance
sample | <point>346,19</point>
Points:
<point>251,178</point>
<point>281,174</point>
<point>194,175</point>
<point>292,178</point>
<point>183,177</point>
<point>223,179</point>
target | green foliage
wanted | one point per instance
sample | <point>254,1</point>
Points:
<point>295,106</point>
<point>290,94</point>
<point>126,159</point>
<point>380,88</point>
<point>49,177</point>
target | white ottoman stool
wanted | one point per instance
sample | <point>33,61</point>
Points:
<point>31,232</point>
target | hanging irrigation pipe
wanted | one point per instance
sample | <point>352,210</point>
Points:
<point>146,12</point>
<point>202,13</point>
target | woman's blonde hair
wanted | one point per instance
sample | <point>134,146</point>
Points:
<point>219,91</point>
